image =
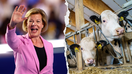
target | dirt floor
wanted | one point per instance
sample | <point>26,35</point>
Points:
<point>95,70</point>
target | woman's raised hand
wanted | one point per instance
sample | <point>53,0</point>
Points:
<point>17,16</point>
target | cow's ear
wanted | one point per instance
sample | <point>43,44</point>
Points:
<point>122,15</point>
<point>101,44</point>
<point>75,47</point>
<point>95,19</point>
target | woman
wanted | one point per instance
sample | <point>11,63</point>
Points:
<point>32,53</point>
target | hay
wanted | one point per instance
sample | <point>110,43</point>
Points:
<point>95,70</point>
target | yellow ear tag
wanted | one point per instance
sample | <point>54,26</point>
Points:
<point>76,49</point>
<point>96,21</point>
<point>99,46</point>
<point>121,18</point>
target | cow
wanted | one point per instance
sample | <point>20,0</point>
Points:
<point>71,56</point>
<point>127,24</point>
<point>110,28</point>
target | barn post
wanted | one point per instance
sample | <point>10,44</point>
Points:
<point>79,17</point>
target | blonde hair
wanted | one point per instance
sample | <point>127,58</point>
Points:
<point>36,11</point>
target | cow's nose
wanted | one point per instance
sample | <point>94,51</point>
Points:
<point>90,62</point>
<point>120,31</point>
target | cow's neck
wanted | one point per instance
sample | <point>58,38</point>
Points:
<point>108,37</point>
<point>103,38</point>
<point>106,33</point>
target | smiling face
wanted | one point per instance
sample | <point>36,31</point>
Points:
<point>34,25</point>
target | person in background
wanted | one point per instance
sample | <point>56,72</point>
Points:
<point>32,53</point>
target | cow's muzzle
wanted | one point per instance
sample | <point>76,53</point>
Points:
<point>120,31</point>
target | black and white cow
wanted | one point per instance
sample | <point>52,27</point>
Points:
<point>124,21</point>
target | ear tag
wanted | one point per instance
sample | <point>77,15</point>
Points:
<point>121,18</point>
<point>99,46</point>
<point>76,49</point>
<point>96,21</point>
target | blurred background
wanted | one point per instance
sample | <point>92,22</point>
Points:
<point>55,10</point>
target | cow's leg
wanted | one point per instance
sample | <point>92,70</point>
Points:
<point>126,55</point>
<point>102,58</point>
<point>110,60</point>
<point>130,46</point>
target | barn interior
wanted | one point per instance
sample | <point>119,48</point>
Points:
<point>75,27</point>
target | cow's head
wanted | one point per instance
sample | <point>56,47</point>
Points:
<point>109,24</point>
<point>88,51</point>
<point>88,58</point>
<point>122,16</point>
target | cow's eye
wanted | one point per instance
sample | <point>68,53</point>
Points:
<point>103,20</point>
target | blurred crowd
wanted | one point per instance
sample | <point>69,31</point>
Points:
<point>55,10</point>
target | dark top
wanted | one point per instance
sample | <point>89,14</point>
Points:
<point>41,56</point>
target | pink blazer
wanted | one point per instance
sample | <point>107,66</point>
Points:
<point>26,59</point>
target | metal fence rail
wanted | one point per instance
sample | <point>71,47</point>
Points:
<point>98,30</point>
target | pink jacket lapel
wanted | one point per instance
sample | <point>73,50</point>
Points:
<point>33,53</point>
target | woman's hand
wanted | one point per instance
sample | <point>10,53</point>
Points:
<point>17,16</point>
